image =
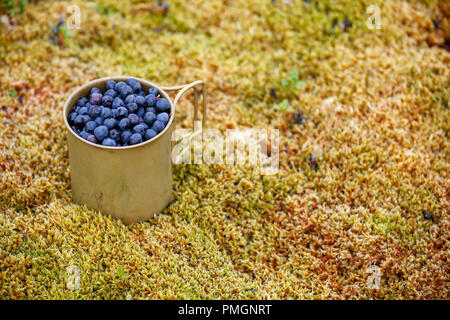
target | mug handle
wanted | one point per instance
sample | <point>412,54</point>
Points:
<point>185,88</point>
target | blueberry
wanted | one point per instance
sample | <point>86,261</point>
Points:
<point>132,107</point>
<point>134,119</point>
<point>117,103</point>
<point>139,129</point>
<point>94,111</point>
<point>114,134</point>
<point>90,126</point>
<point>141,93</point>
<point>99,121</point>
<point>134,84</point>
<point>124,123</point>
<point>75,129</point>
<point>76,109</point>
<point>82,101</point>
<point>84,134</point>
<point>125,136</point>
<point>106,113</point>
<point>110,123</point>
<point>140,101</point>
<point>114,113</point>
<point>162,105</point>
<point>130,98</point>
<point>110,93</point>
<point>149,118</point>
<point>135,138</point>
<point>86,118</point>
<point>92,138</point>
<point>122,112</point>
<point>153,91</point>
<point>82,111</point>
<point>151,100</point>
<point>158,126</point>
<point>107,101</point>
<point>110,84</point>
<point>109,142</point>
<point>150,110</point>
<point>78,121</point>
<point>150,134</point>
<point>95,90</point>
<point>163,117</point>
<point>141,112</point>
<point>101,132</point>
<point>125,91</point>
<point>119,85</point>
<point>72,117</point>
<point>96,98</point>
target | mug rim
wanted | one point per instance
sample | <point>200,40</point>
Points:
<point>92,84</point>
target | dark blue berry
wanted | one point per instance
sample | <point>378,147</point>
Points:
<point>125,136</point>
<point>96,98</point>
<point>150,134</point>
<point>114,113</point>
<point>101,132</point>
<point>150,110</point>
<point>162,105</point>
<point>141,112</point>
<point>124,123</point>
<point>140,101</point>
<point>109,142</point>
<point>119,85</point>
<point>135,138</point>
<point>107,101</point>
<point>122,112</point>
<point>92,138</point>
<point>110,84</point>
<point>139,129</point>
<point>90,126</point>
<point>106,113</point>
<point>134,119</point>
<point>158,126</point>
<point>95,90</point>
<point>75,129</point>
<point>150,99</point>
<point>114,134</point>
<point>134,84</point>
<point>78,121</point>
<point>132,107</point>
<point>149,118</point>
<point>86,118</point>
<point>163,117</point>
<point>130,99</point>
<point>125,91</point>
<point>94,111</point>
<point>82,101</point>
<point>141,93</point>
<point>83,111</point>
<point>84,134</point>
<point>118,102</point>
<point>153,91</point>
<point>99,121</point>
<point>72,117</point>
<point>110,93</point>
<point>110,123</point>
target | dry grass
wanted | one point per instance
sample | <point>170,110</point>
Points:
<point>378,121</point>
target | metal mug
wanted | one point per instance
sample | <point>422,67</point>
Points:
<point>132,183</point>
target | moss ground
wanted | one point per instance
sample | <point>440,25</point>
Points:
<point>376,103</point>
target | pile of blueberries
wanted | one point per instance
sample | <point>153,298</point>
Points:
<point>122,115</point>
